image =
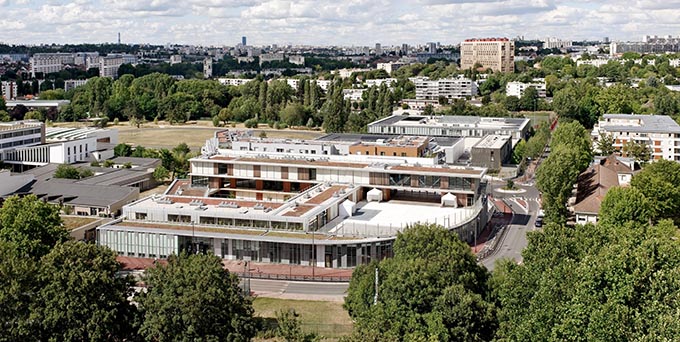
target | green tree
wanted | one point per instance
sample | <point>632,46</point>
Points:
<point>586,283</point>
<point>160,174</point>
<point>576,100</point>
<point>34,115</point>
<point>518,154</point>
<point>194,298</point>
<point>555,179</point>
<point>622,205</point>
<point>122,150</point>
<point>67,171</point>
<point>637,150</point>
<point>334,112</point>
<point>82,297</point>
<point>431,268</point>
<point>605,144</point>
<point>180,107</point>
<point>660,184</point>
<point>18,280</point>
<point>574,136</point>
<point>33,225</point>
<point>294,114</point>
<point>529,100</point>
<point>288,327</point>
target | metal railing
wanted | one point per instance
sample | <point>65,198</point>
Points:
<point>293,277</point>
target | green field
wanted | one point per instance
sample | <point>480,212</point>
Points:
<point>328,319</point>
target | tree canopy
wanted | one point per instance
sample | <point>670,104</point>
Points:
<point>194,297</point>
<point>426,291</point>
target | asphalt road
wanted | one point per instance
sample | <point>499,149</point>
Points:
<point>515,237</point>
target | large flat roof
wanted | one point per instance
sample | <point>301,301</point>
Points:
<point>452,121</point>
<point>641,123</point>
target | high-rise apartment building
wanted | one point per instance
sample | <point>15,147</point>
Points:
<point>243,41</point>
<point>497,54</point>
<point>207,67</point>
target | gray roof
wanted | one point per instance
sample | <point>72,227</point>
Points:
<point>79,194</point>
<point>648,123</point>
<point>142,162</point>
<point>117,177</point>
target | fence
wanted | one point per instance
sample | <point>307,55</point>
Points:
<point>293,277</point>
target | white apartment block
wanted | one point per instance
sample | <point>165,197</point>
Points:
<point>390,67</point>
<point>108,65</point>
<point>353,95</point>
<point>660,132</point>
<point>380,81</point>
<point>175,59</point>
<point>296,59</point>
<point>449,88</point>
<point>598,62</point>
<point>323,84</point>
<point>497,54</point>
<point>72,84</point>
<point>344,73</point>
<point>556,43</point>
<point>517,88</point>
<point>234,81</point>
<point>270,57</point>
<point>8,90</point>
<point>49,62</point>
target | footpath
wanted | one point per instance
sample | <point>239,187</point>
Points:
<point>257,270</point>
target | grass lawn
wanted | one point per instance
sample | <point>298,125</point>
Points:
<point>539,117</point>
<point>328,319</point>
<point>163,135</point>
<point>73,222</point>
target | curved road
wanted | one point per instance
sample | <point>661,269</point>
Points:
<point>524,218</point>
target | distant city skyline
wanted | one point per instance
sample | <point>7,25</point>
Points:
<point>329,22</point>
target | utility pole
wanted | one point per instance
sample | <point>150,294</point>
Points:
<point>375,297</point>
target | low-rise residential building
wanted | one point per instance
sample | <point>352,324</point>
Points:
<point>296,59</point>
<point>517,88</point>
<point>377,82</point>
<point>271,57</point>
<point>659,132</point>
<point>390,67</point>
<point>593,184</point>
<point>354,95</point>
<point>420,104</point>
<point>234,81</point>
<point>447,88</point>
<point>556,43</point>
<point>175,59</point>
<point>72,84</point>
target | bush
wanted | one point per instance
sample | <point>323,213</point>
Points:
<point>251,123</point>
<point>115,121</point>
<point>216,121</point>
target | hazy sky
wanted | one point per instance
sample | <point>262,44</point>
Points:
<point>329,22</point>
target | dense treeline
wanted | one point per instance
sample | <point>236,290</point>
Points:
<point>53,289</point>
<point>570,154</point>
<point>616,281</point>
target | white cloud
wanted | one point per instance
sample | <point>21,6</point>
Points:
<point>332,22</point>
